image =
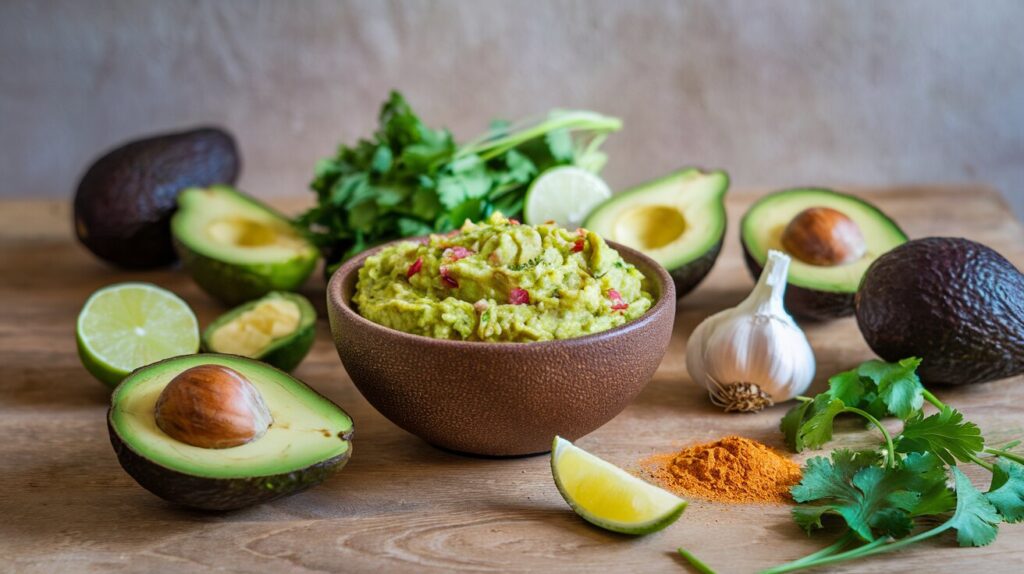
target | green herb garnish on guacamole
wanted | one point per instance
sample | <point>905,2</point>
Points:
<point>502,281</point>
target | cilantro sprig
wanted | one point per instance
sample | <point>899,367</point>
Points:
<point>409,179</point>
<point>889,497</point>
<point>884,496</point>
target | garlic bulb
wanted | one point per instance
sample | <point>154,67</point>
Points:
<point>753,355</point>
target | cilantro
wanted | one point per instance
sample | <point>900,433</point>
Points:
<point>1007,490</point>
<point>976,521</point>
<point>409,179</point>
<point>886,499</point>
<point>526,265</point>
<point>945,434</point>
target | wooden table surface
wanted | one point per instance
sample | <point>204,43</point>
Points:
<point>401,505</point>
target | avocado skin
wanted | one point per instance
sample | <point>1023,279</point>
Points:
<point>233,284</point>
<point>807,303</point>
<point>220,493</point>
<point>123,203</point>
<point>687,277</point>
<point>955,303</point>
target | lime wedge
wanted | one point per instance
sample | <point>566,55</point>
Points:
<point>128,325</point>
<point>609,497</point>
<point>565,195</point>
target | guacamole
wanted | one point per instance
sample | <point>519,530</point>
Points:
<point>502,281</point>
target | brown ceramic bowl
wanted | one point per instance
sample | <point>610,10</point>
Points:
<point>500,399</point>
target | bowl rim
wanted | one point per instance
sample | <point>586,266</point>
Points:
<point>665,303</point>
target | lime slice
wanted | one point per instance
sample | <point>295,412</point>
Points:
<point>565,195</point>
<point>128,325</point>
<point>609,497</point>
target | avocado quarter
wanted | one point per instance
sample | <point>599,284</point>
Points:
<point>123,203</point>
<point>308,440</point>
<point>816,291</point>
<point>253,330</point>
<point>678,220</point>
<point>955,303</point>
<point>236,248</point>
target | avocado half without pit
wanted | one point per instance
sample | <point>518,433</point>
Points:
<point>278,329</point>
<point>221,432</point>
<point>236,248</point>
<point>678,220</point>
<point>832,237</point>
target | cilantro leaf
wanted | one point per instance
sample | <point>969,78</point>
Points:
<point>790,425</point>
<point>817,429</point>
<point>868,497</point>
<point>897,383</point>
<point>976,520</point>
<point>928,478</point>
<point>1007,490</point>
<point>847,387</point>
<point>945,434</point>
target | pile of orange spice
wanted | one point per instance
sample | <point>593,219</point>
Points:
<point>732,469</point>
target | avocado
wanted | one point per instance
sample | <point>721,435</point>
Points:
<point>832,238</point>
<point>236,248</point>
<point>678,220</point>
<point>124,202</point>
<point>277,329</point>
<point>156,437</point>
<point>956,304</point>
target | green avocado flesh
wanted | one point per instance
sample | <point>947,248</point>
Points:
<point>674,220</point>
<point>307,428</point>
<point>277,329</point>
<point>763,225</point>
<point>236,248</point>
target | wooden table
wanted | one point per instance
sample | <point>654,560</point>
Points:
<point>401,505</point>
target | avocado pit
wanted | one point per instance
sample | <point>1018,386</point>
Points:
<point>212,406</point>
<point>825,237</point>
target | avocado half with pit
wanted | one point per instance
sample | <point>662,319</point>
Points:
<point>278,329</point>
<point>678,220</point>
<point>236,248</point>
<point>832,238</point>
<point>221,432</point>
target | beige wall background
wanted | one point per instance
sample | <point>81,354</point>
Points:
<point>779,93</point>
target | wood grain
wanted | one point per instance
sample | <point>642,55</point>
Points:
<point>401,505</point>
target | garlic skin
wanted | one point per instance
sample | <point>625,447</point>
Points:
<point>755,342</point>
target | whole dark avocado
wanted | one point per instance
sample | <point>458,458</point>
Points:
<point>124,202</point>
<point>955,303</point>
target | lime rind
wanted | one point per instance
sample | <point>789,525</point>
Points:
<point>127,325</point>
<point>663,507</point>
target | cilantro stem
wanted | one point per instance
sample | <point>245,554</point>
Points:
<point>928,396</point>
<point>695,562</point>
<point>488,147</point>
<point>838,545</point>
<point>1005,454</point>
<point>878,546</point>
<point>890,456</point>
<point>986,465</point>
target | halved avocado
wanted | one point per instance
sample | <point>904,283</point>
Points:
<point>817,290</point>
<point>678,220</point>
<point>236,248</point>
<point>278,329</point>
<point>309,438</point>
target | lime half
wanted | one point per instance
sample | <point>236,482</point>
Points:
<point>609,497</point>
<point>565,195</point>
<point>128,325</point>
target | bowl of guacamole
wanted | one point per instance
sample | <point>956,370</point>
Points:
<point>501,281</point>
<point>494,338</point>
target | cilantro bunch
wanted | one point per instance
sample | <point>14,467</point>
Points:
<point>409,179</point>
<point>892,497</point>
<point>886,496</point>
